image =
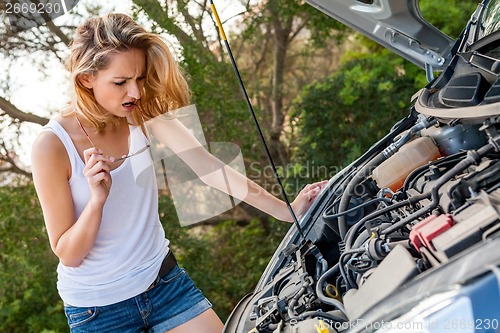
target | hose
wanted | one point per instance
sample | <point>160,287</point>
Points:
<point>350,188</point>
<point>321,267</point>
<point>355,228</point>
<point>473,157</point>
<point>319,289</point>
<point>330,218</point>
<point>295,299</point>
<point>368,168</point>
<point>347,279</point>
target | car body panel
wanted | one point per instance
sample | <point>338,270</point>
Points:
<point>395,24</point>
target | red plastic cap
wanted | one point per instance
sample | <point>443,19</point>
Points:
<point>425,231</point>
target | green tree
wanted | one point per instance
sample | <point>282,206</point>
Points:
<point>28,298</point>
<point>449,16</point>
<point>215,92</point>
<point>236,257</point>
<point>341,116</point>
<point>284,43</point>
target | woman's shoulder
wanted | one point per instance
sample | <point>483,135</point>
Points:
<point>48,135</point>
<point>48,142</point>
<point>64,125</point>
<point>48,150</point>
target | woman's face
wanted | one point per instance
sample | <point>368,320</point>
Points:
<point>119,86</point>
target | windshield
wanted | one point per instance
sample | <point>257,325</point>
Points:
<point>491,20</point>
<point>487,41</point>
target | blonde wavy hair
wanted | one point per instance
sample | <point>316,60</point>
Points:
<point>165,87</point>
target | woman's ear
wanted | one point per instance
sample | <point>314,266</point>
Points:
<point>86,80</point>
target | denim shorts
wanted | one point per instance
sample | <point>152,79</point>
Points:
<point>173,301</point>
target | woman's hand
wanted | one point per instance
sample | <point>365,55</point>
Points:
<point>97,171</point>
<point>306,197</point>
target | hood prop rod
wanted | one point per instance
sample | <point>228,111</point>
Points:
<point>249,104</point>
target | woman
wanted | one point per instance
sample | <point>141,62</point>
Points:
<point>116,272</point>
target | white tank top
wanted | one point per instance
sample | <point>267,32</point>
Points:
<point>131,243</point>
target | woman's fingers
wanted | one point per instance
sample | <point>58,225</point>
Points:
<point>88,153</point>
<point>306,197</point>
<point>97,169</point>
<point>99,166</point>
<point>312,190</point>
<point>93,155</point>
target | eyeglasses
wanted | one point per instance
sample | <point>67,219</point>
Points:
<point>146,147</point>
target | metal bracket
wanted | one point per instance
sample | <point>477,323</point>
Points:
<point>404,42</point>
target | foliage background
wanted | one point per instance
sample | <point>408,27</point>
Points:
<point>337,94</point>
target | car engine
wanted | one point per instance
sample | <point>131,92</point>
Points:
<point>420,198</point>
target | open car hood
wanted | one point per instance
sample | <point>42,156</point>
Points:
<point>395,24</point>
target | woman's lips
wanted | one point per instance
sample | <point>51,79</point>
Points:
<point>129,106</point>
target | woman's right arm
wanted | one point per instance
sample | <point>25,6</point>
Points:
<point>70,239</point>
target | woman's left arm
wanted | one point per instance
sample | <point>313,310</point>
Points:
<point>219,175</point>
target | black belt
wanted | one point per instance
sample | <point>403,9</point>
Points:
<point>166,266</point>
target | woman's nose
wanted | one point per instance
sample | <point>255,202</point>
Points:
<point>134,91</point>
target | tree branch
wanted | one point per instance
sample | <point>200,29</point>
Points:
<point>298,30</point>
<point>11,110</point>
<point>58,32</point>
<point>192,21</point>
<point>156,13</point>
<point>13,167</point>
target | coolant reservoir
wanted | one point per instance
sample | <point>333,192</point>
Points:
<point>393,172</point>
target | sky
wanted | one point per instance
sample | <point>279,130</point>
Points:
<point>33,93</point>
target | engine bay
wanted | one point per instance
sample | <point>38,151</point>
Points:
<point>424,200</point>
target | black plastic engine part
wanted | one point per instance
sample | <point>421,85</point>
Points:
<point>470,225</point>
<point>464,90</point>
<point>471,184</point>
<point>397,268</point>
<point>493,94</point>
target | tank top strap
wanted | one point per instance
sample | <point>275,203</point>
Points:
<point>75,160</point>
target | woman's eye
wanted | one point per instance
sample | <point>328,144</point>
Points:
<point>141,78</point>
<point>119,83</point>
